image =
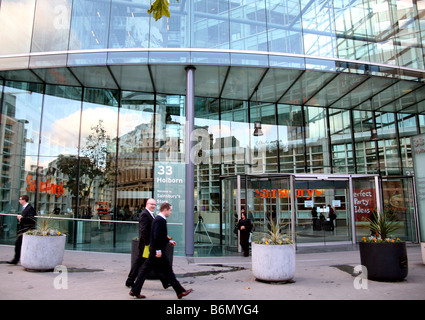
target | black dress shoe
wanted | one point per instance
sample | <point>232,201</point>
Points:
<point>138,296</point>
<point>129,283</point>
<point>12,262</point>
<point>184,293</point>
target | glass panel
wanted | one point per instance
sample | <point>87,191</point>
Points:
<point>388,148</point>
<point>305,87</point>
<point>248,26</point>
<point>130,25</point>
<point>209,80</point>
<point>129,77</point>
<point>421,123</point>
<point>366,156</point>
<point>363,92</point>
<point>162,78</point>
<point>175,30</point>
<point>381,27</point>
<point>229,213</point>
<point>407,127</point>
<point>60,76</point>
<point>269,199</point>
<point>207,172</point>
<point>398,198</point>
<point>170,167</point>
<point>236,136</point>
<point>365,202</point>
<point>342,147</point>
<point>96,160</point>
<point>275,83</point>
<point>99,77</point>
<point>291,139</point>
<point>238,59</point>
<point>89,30</point>
<point>335,89</point>
<point>284,26</point>
<point>315,204</point>
<point>89,24</point>
<point>408,36</point>
<point>352,26</point>
<point>393,92</point>
<point>265,146</point>
<point>135,154</point>
<point>51,26</point>
<point>317,144</point>
<point>59,151</point>
<point>20,123</point>
<point>211,24</point>
<point>241,82</point>
<point>16,20</point>
<point>318,28</point>
<point>51,32</point>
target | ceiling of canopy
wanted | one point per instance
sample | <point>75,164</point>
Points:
<point>343,90</point>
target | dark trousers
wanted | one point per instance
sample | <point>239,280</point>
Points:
<point>136,269</point>
<point>18,247</point>
<point>244,241</point>
<point>163,267</point>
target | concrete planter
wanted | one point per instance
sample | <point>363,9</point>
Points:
<point>42,253</point>
<point>273,262</point>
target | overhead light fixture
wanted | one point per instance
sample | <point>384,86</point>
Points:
<point>373,134</point>
<point>257,129</point>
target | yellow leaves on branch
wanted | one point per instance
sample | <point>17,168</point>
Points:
<point>160,8</point>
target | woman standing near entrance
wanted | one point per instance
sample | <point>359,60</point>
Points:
<point>245,227</point>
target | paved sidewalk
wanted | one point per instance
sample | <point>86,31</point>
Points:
<point>101,276</point>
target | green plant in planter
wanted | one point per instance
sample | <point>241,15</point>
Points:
<point>381,226</point>
<point>44,228</point>
<point>274,236</point>
<point>383,256</point>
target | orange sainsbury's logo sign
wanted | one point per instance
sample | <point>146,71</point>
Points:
<point>280,193</point>
<point>45,187</point>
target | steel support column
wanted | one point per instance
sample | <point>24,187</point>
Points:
<point>190,177</point>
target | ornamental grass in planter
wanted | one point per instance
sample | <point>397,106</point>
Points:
<point>273,254</point>
<point>43,247</point>
<point>384,256</point>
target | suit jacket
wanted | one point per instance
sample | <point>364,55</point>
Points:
<point>159,235</point>
<point>28,219</point>
<point>145,223</point>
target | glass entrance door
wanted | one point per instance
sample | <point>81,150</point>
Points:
<point>366,200</point>
<point>322,207</point>
<point>262,197</point>
<point>269,199</point>
<point>230,210</point>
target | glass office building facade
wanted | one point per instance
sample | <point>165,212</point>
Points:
<point>97,116</point>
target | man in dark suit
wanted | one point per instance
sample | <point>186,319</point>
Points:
<point>157,260</point>
<point>145,221</point>
<point>26,222</point>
